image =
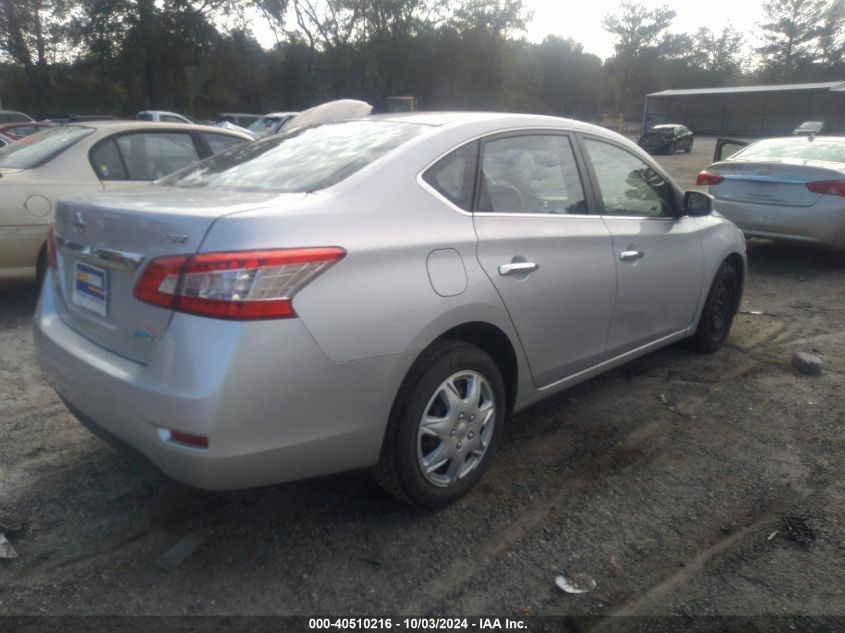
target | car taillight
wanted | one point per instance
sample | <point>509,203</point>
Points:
<point>51,246</point>
<point>830,187</point>
<point>708,178</point>
<point>234,285</point>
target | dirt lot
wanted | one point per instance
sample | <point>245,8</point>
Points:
<point>666,480</point>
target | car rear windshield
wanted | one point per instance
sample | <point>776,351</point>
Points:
<point>302,160</point>
<point>832,150</point>
<point>36,149</point>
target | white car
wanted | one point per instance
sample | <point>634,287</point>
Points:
<point>162,116</point>
<point>82,159</point>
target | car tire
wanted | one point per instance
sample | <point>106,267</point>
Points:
<point>714,325</point>
<point>444,425</point>
<point>689,148</point>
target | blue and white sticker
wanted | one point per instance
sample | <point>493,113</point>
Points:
<point>91,287</point>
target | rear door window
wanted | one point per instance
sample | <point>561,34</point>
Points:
<point>220,142</point>
<point>530,174</point>
<point>151,155</point>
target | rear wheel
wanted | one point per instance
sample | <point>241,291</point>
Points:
<point>719,310</point>
<point>444,425</point>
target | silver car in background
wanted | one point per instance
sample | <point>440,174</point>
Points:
<point>381,292</point>
<point>790,189</point>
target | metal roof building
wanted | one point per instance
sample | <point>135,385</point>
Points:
<point>749,110</point>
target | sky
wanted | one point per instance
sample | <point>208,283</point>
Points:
<point>581,19</point>
<point>560,17</point>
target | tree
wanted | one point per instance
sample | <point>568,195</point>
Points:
<point>643,49</point>
<point>718,54</point>
<point>831,34</point>
<point>789,36</point>
<point>639,30</point>
<point>28,31</point>
<point>568,77</point>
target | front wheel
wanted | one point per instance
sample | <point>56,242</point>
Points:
<point>444,425</point>
<point>689,148</point>
<point>719,310</point>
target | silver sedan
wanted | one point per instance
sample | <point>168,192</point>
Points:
<point>790,189</point>
<point>381,292</point>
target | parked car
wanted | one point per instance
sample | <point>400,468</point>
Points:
<point>17,131</point>
<point>13,116</point>
<point>270,123</point>
<point>810,127</point>
<point>666,138</point>
<point>239,119</point>
<point>280,311</point>
<point>76,159</point>
<point>163,116</point>
<point>790,188</point>
<point>227,125</point>
<point>61,118</point>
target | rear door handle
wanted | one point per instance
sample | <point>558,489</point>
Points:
<point>517,267</point>
<point>631,256</point>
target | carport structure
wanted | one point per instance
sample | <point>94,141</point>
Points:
<point>749,110</point>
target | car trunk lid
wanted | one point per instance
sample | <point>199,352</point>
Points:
<point>104,242</point>
<point>777,183</point>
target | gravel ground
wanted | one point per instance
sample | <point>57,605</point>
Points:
<point>666,480</point>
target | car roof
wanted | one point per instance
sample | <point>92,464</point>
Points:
<point>456,118</point>
<point>6,126</point>
<point>120,126</point>
<point>269,114</point>
<point>802,139</point>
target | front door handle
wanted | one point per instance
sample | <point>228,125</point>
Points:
<point>517,267</point>
<point>631,256</point>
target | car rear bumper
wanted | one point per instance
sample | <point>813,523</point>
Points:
<point>817,225</point>
<point>273,407</point>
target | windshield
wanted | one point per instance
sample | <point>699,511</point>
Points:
<point>302,160</point>
<point>36,149</point>
<point>832,150</point>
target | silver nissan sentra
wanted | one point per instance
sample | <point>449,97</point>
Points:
<point>380,292</point>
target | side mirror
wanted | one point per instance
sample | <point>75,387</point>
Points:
<point>698,204</point>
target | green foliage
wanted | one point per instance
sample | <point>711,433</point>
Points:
<point>790,35</point>
<point>200,57</point>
